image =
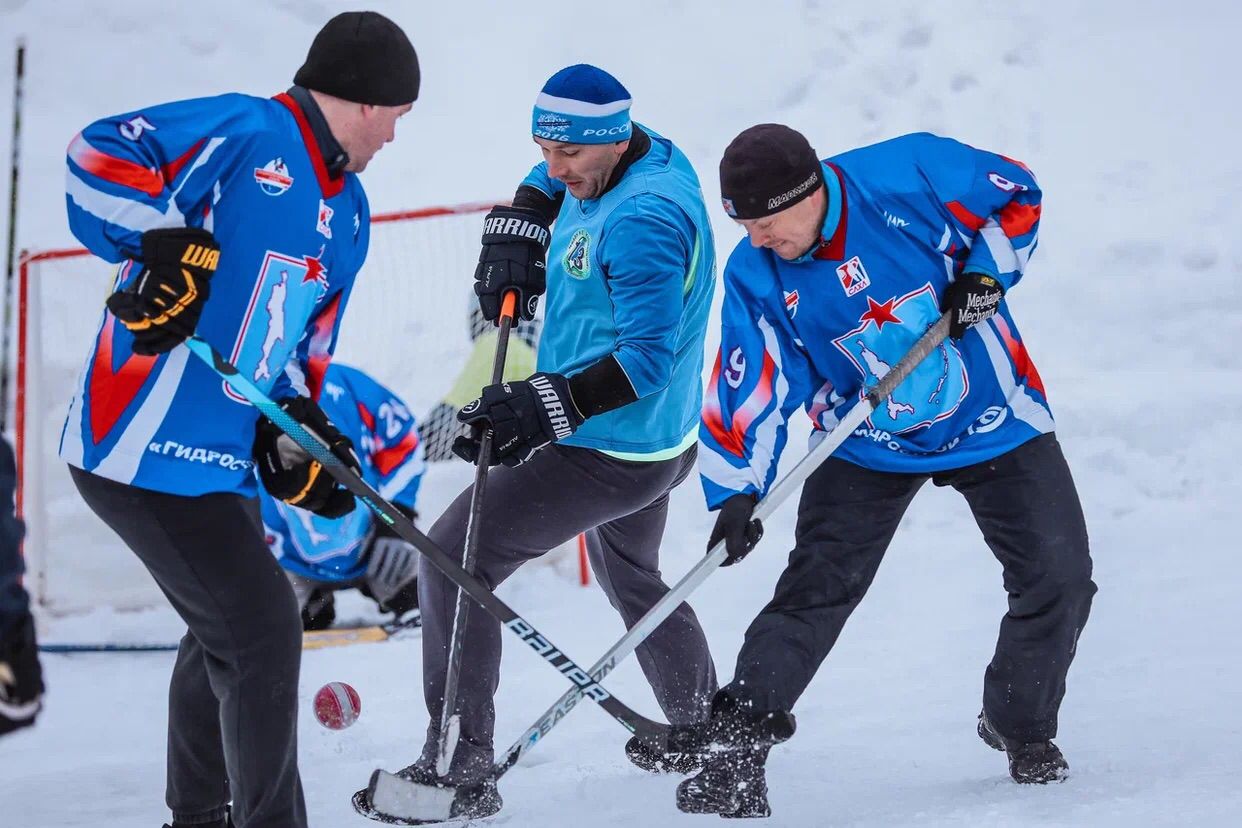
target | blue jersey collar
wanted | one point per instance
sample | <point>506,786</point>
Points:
<point>832,216</point>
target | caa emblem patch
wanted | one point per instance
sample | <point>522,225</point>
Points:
<point>325,216</point>
<point>853,276</point>
<point>273,177</point>
<point>791,303</point>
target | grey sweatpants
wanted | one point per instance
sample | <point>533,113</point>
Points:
<point>527,510</point>
<point>233,696</point>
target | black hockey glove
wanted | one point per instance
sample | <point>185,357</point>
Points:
<point>290,474</point>
<point>736,527</point>
<point>21,677</point>
<point>162,306</point>
<point>515,245</point>
<point>524,416</point>
<point>972,298</point>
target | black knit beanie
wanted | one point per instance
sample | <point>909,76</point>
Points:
<point>362,57</point>
<point>766,169</point>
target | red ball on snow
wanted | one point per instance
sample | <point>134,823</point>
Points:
<point>337,705</point>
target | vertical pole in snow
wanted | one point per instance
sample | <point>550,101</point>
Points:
<point>584,569</point>
<point>18,76</point>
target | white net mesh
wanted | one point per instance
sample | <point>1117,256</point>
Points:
<point>407,324</point>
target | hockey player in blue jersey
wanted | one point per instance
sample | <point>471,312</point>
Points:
<point>241,220</point>
<point>848,262</point>
<point>322,555</point>
<point>597,437</point>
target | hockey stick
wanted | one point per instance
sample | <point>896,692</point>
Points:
<point>653,734</point>
<point>430,802</point>
<point>450,719</point>
<point>312,640</point>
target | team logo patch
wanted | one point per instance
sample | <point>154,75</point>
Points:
<point>853,276</point>
<point>553,122</point>
<point>791,303</point>
<point>728,206</point>
<point>273,177</point>
<point>287,290</point>
<point>323,224</point>
<point>577,259</point>
<point>885,331</point>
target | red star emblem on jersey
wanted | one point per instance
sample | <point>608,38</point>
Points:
<point>879,314</point>
<point>315,272</point>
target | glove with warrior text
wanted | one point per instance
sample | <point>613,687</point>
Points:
<point>162,306</point>
<point>737,528</point>
<point>21,677</point>
<point>524,417</point>
<point>290,474</point>
<point>972,298</point>
<point>515,245</point>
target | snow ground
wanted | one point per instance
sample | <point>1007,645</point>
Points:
<point>1130,309</point>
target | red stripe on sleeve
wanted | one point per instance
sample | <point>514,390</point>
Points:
<point>387,459</point>
<point>967,218</point>
<point>116,170</point>
<point>1017,219</point>
<point>173,168</point>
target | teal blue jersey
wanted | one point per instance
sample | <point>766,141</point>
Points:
<point>631,274</point>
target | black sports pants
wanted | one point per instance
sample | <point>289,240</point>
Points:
<point>232,700</point>
<point>1027,507</point>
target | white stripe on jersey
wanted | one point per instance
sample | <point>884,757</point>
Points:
<point>762,456</point>
<point>1024,406</point>
<point>296,376</point>
<point>123,212</point>
<point>202,158</point>
<point>409,470</point>
<point>1024,253</point>
<point>1000,247</point>
<point>123,460</point>
<point>717,469</point>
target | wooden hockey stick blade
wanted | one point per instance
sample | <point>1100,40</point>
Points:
<point>313,640</point>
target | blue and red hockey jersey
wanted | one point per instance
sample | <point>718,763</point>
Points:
<point>905,218</point>
<point>386,440</point>
<point>291,239</point>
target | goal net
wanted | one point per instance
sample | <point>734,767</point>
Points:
<point>407,325</point>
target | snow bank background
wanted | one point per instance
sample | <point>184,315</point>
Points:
<point>1128,113</point>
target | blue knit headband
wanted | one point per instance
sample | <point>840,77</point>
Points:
<point>582,104</point>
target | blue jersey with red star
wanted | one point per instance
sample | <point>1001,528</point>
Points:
<point>291,240</point>
<point>386,440</point>
<point>905,218</point>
